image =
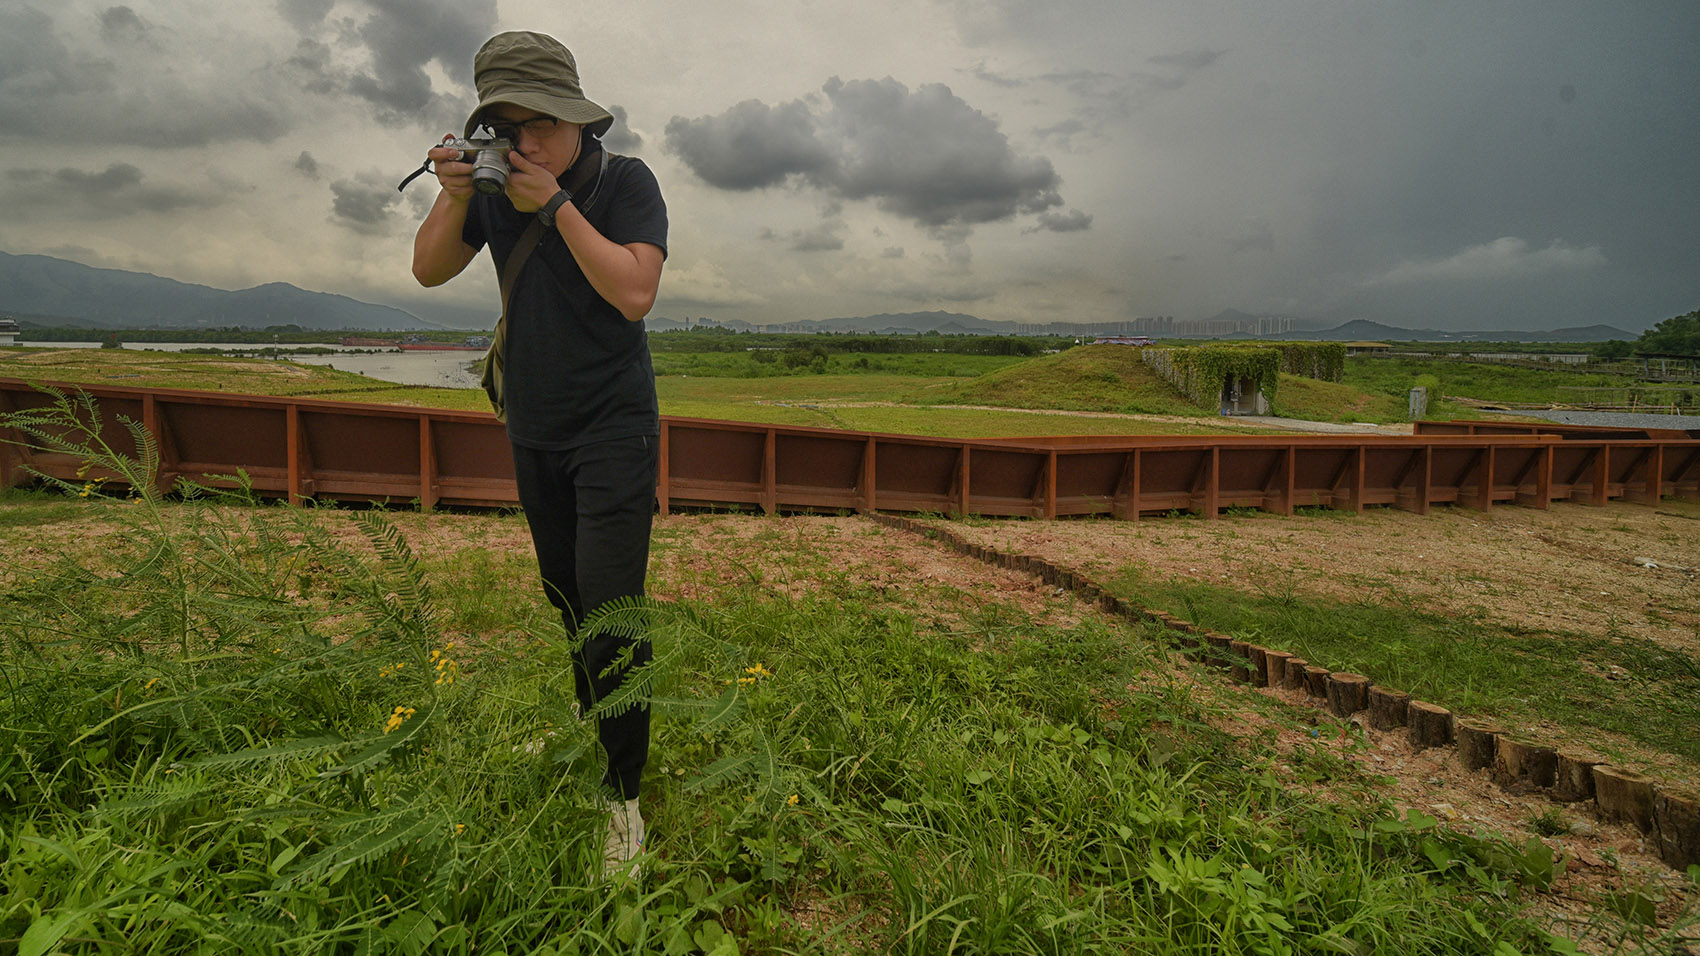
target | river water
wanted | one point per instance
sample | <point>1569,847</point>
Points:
<point>456,369</point>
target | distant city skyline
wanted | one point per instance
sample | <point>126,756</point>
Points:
<point>1445,165</point>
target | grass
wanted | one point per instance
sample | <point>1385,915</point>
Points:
<point>1484,381</point>
<point>1102,378</point>
<point>238,728</point>
<point>862,400</point>
<point>772,364</point>
<point>1315,400</point>
<point>1464,664</point>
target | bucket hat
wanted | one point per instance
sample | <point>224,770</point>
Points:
<point>535,71</point>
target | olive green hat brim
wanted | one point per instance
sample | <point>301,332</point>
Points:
<point>583,112</point>
<point>536,72</point>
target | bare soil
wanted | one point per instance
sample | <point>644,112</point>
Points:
<point>1624,569</point>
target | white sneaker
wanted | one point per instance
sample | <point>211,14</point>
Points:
<point>623,842</point>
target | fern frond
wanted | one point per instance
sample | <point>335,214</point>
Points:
<point>379,746</point>
<point>300,747</point>
<point>724,771</point>
<point>400,570</point>
<point>628,617</point>
<point>150,801</point>
<point>728,708</point>
<point>397,829</point>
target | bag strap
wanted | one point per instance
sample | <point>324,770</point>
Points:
<point>516,259</point>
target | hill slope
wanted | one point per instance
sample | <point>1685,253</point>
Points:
<point>1092,378</point>
<point>75,294</point>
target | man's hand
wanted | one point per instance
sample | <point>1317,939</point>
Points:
<point>454,175</point>
<point>529,185</point>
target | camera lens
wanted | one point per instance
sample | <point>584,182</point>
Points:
<point>489,172</point>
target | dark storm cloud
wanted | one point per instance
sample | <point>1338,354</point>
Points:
<point>1072,221</point>
<point>115,92</point>
<point>621,138</point>
<point>752,145</point>
<point>305,14</point>
<point>922,154</point>
<point>364,205</point>
<point>34,63</point>
<point>397,40</point>
<point>114,179</point>
<point>928,156</point>
<point>403,36</point>
<point>120,24</point>
<point>117,191</point>
<point>307,165</point>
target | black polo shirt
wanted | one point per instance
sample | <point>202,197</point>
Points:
<point>575,371</point>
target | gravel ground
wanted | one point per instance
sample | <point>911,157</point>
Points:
<point>1616,419</point>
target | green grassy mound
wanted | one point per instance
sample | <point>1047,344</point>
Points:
<point>1092,378</point>
<point>1315,400</point>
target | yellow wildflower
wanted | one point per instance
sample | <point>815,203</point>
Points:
<point>398,717</point>
<point>791,800</point>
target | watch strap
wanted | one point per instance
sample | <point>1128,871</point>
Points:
<point>546,215</point>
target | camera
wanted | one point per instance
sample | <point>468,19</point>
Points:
<point>489,158</point>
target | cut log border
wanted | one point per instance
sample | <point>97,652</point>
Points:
<point>1669,816</point>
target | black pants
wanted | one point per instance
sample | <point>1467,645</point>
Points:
<point>590,511</point>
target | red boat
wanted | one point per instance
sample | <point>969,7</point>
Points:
<point>473,343</point>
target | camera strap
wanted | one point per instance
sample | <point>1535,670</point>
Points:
<point>587,173</point>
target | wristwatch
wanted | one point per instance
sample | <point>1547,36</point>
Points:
<point>546,215</point>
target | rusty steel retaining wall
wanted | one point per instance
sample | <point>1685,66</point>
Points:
<point>299,449</point>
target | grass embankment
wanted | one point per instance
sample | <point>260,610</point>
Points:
<point>1092,378</point>
<point>237,728</point>
<point>1315,400</point>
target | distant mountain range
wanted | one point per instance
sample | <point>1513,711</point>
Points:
<point>1360,330</point>
<point>44,291</point>
<point>956,323</point>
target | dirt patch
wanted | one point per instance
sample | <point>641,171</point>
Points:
<point>1608,572</point>
<point>793,556</point>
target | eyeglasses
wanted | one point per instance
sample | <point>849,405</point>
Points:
<point>538,126</point>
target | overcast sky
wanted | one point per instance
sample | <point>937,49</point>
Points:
<point>1445,164</point>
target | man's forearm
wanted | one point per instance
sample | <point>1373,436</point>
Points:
<point>439,253</point>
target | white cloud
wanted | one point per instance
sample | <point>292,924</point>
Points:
<point>1505,258</point>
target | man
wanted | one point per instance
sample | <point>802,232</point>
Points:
<point>577,386</point>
